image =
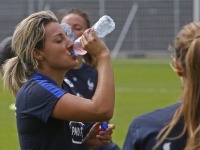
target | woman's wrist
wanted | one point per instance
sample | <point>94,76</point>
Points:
<point>105,55</point>
<point>86,144</point>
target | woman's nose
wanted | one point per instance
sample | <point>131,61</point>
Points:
<point>69,43</point>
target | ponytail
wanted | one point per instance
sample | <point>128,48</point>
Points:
<point>191,94</point>
<point>28,35</point>
<point>14,75</point>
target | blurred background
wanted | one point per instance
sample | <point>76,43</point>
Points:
<point>139,49</point>
<point>143,27</point>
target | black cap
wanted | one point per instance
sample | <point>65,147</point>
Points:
<point>6,51</point>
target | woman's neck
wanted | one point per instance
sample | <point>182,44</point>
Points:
<point>79,65</point>
<point>57,76</point>
<point>80,62</point>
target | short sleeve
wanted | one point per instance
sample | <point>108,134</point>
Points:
<point>41,101</point>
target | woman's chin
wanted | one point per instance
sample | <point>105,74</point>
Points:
<point>76,64</point>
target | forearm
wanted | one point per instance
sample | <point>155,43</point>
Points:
<point>104,96</point>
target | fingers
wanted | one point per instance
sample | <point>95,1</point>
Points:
<point>96,126</point>
<point>99,137</point>
<point>85,40</point>
<point>91,43</point>
<point>93,34</point>
<point>107,133</point>
<point>105,142</point>
<point>106,136</point>
<point>88,35</point>
<point>101,132</point>
<point>110,127</point>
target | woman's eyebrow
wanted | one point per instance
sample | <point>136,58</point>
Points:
<point>59,34</point>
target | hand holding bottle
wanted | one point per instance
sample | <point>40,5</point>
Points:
<point>91,43</point>
<point>104,26</point>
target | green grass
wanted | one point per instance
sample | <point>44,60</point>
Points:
<point>8,131</point>
<point>142,85</point>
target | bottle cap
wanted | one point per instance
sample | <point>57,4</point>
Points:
<point>104,126</point>
<point>73,53</point>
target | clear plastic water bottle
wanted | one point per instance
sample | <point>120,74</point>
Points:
<point>68,30</point>
<point>70,35</point>
<point>102,27</point>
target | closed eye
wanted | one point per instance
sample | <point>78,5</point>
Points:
<point>59,37</point>
<point>78,29</point>
<point>59,41</point>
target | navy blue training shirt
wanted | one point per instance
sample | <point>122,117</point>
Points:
<point>143,131</point>
<point>84,80</point>
<point>37,130</point>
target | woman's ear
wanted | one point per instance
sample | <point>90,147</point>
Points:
<point>178,67</point>
<point>37,54</point>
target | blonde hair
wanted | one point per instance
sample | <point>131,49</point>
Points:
<point>187,45</point>
<point>28,35</point>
